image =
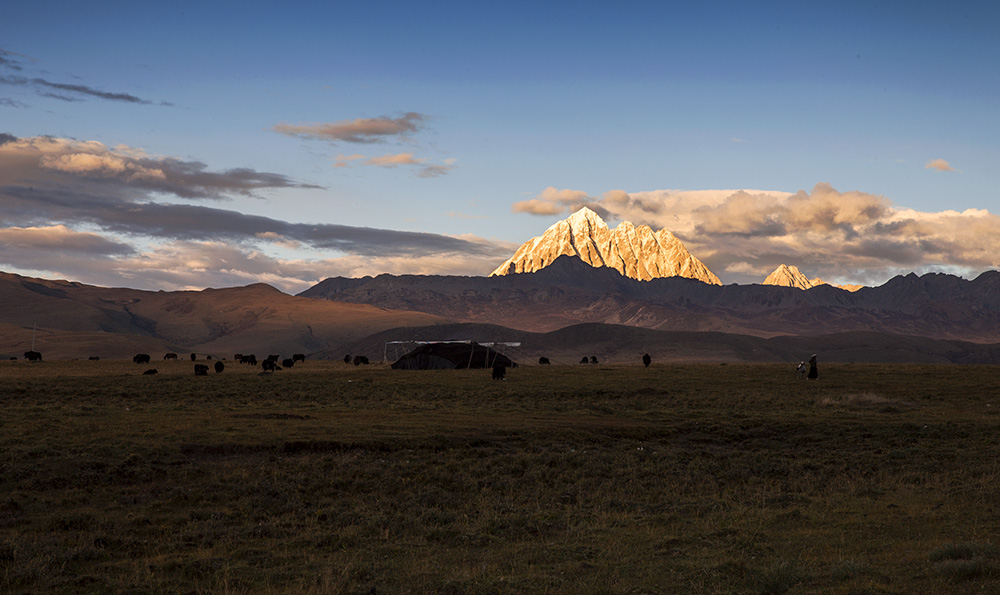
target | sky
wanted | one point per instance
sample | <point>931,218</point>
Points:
<point>191,145</point>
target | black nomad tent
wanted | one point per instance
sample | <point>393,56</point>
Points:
<point>449,355</point>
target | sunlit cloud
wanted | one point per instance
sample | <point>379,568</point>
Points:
<point>553,201</point>
<point>839,236</point>
<point>110,208</point>
<point>358,130</point>
<point>939,165</point>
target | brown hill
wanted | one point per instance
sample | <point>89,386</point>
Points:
<point>78,321</point>
<point>569,291</point>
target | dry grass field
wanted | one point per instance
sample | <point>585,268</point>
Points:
<point>327,478</point>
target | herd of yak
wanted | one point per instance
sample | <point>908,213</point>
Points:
<point>270,363</point>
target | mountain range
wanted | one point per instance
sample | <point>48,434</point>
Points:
<point>566,310</point>
<point>579,289</point>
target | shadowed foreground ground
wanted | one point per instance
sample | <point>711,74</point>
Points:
<point>328,478</point>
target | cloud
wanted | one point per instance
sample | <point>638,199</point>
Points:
<point>111,210</point>
<point>394,160</point>
<point>345,160</point>
<point>423,168</point>
<point>358,130</point>
<point>68,161</point>
<point>939,165</point>
<point>839,236</point>
<point>553,201</point>
<point>76,91</point>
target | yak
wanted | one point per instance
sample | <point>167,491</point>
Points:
<point>646,360</point>
<point>140,358</point>
<point>33,356</point>
<point>543,361</point>
<point>219,367</point>
<point>269,365</point>
<point>150,372</point>
<point>298,357</point>
<point>169,356</point>
<point>200,370</point>
<point>287,362</point>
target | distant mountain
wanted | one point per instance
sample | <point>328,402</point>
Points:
<point>73,320</point>
<point>569,291</point>
<point>635,252</point>
<point>790,276</point>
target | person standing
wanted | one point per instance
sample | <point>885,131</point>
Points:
<point>813,372</point>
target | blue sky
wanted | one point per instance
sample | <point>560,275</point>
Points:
<point>491,122</point>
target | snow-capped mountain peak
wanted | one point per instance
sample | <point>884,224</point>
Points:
<point>636,252</point>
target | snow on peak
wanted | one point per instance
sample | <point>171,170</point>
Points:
<point>635,252</point>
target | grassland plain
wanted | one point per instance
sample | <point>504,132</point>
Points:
<point>326,478</point>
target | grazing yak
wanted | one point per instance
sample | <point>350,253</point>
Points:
<point>33,356</point>
<point>287,362</point>
<point>499,372</point>
<point>194,357</point>
<point>200,370</point>
<point>249,359</point>
<point>273,357</point>
<point>140,358</point>
<point>593,359</point>
<point>360,359</point>
<point>219,367</point>
<point>584,360</point>
<point>94,358</point>
<point>150,372</point>
<point>347,358</point>
<point>169,356</point>
<point>269,365</point>
<point>543,361</point>
<point>298,357</point>
<point>646,360</point>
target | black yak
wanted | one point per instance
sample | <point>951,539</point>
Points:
<point>140,358</point>
<point>150,372</point>
<point>169,356</point>
<point>298,357</point>
<point>499,372</point>
<point>33,356</point>
<point>646,360</point>
<point>543,361</point>
<point>200,370</point>
<point>219,367</point>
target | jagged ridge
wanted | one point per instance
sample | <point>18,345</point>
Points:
<point>635,252</point>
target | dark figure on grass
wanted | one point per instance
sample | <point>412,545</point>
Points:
<point>499,372</point>
<point>646,360</point>
<point>813,372</point>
